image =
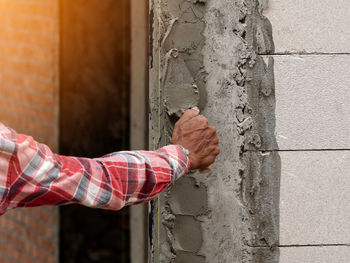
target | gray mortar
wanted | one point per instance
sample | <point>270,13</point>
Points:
<point>183,86</point>
<point>181,91</point>
<point>230,215</point>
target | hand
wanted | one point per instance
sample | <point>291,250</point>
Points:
<point>194,133</point>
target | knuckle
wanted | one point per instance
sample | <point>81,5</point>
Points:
<point>203,119</point>
<point>215,141</point>
<point>212,129</point>
<point>212,160</point>
<point>209,135</point>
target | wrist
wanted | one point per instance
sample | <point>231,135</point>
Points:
<point>187,152</point>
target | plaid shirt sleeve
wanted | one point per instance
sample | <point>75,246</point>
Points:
<point>31,175</point>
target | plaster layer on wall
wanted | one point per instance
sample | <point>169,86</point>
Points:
<point>177,83</point>
<point>216,217</point>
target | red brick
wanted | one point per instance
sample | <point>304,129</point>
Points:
<point>25,110</point>
<point>29,39</point>
<point>28,8</point>
<point>37,100</point>
<point>45,57</point>
<point>28,68</point>
<point>43,214</point>
<point>28,80</point>
<point>27,23</point>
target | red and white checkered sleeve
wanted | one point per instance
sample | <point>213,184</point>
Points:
<point>31,175</point>
<point>143,174</point>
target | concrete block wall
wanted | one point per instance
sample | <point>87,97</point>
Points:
<point>273,79</point>
<point>312,88</point>
<point>28,103</point>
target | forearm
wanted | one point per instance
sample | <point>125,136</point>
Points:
<point>148,173</point>
<point>31,175</point>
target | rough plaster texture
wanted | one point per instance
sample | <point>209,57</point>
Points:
<point>312,103</point>
<point>323,254</point>
<point>315,199</point>
<point>310,26</point>
<point>230,215</point>
<point>258,204</point>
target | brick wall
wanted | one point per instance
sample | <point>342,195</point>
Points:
<point>28,103</point>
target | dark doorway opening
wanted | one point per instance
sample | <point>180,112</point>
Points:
<point>94,117</point>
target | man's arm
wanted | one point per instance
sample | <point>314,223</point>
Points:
<point>31,175</point>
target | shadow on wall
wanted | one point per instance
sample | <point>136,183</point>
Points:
<point>262,182</point>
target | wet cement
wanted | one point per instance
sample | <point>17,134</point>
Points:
<point>207,53</point>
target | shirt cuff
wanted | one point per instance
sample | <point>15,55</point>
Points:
<point>178,159</point>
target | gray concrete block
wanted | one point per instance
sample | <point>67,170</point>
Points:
<point>339,254</point>
<point>312,102</point>
<point>315,198</point>
<point>310,25</point>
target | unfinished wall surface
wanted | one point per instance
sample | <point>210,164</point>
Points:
<point>272,77</point>
<point>29,45</point>
<point>206,53</point>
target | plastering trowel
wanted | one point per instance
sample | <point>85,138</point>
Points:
<point>181,91</point>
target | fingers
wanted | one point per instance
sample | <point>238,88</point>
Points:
<point>207,161</point>
<point>194,133</point>
<point>189,114</point>
<point>214,150</point>
<point>197,123</point>
<point>201,119</point>
<point>215,141</point>
<point>210,132</point>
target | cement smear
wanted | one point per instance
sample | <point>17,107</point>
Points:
<point>230,215</point>
<point>181,91</point>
